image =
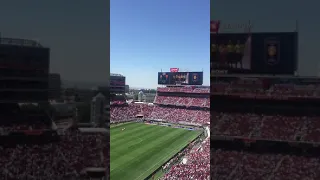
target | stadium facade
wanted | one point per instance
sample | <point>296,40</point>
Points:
<point>24,69</point>
<point>117,83</point>
<point>54,86</point>
<point>117,89</point>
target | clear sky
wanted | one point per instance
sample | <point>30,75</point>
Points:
<point>150,35</point>
<point>77,31</point>
<point>278,15</point>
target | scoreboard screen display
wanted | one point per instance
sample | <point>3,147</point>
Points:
<point>180,78</point>
<point>255,53</point>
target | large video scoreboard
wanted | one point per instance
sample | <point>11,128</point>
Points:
<point>255,53</point>
<point>180,78</point>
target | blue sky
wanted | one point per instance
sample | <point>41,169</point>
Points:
<point>150,35</point>
<point>76,31</point>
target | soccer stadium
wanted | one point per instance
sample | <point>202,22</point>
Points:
<point>32,145</point>
<point>167,139</point>
<point>265,118</point>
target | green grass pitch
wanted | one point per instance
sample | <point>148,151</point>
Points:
<point>140,149</point>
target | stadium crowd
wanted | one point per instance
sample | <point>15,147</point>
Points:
<point>283,125</point>
<point>197,166</point>
<point>57,160</point>
<point>243,165</point>
<point>176,109</point>
<point>183,101</point>
<point>30,149</point>
<point>179,109</point>
<point>239,165</point>
<point>276,127</point>
<point>264,88</point>
<point>171,114</point>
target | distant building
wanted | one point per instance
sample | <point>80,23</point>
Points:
<point>54,86</point>
<point>63,110</point>
<point>127,88</point>
<point>105,90</point>
<point>149,97</point>
<point>98,111</point>
<point>140,96</point>
<point>107,112</point>
<point>77,95</point>
<point>84,95</point>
